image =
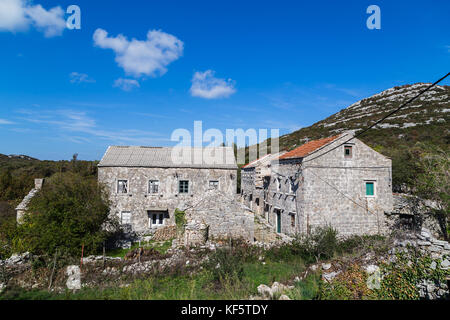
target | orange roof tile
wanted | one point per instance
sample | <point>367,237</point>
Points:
<point>308,148</point>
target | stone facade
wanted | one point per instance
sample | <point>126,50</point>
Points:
<point>305,192</point>
<point>142,205</point>
<point>207,193</point>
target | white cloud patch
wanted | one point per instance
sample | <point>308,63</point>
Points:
<point>50,22</point>
<point>12,16</point>
<point>76,77</point>
<point>138,58</point>
<point>126,84</point>
<point>19,15</point>
<point>4,121</point>
<point>81,128</point>
<point>205,85</point>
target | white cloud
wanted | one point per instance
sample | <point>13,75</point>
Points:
<point>12,15</point>
<point>80,127</point>
<point>126,84</point>
<point>4,121</point>
<point>205,85</point>
<point>138,58</point>
<point>76,77</point>
<point>18,15</point>
<point>50,22</point>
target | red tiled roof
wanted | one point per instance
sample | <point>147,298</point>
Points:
<point>308,147</point>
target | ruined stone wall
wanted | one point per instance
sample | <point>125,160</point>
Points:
<point>251,195</point>
<point>138,201</point>
<point>283,196</point>
<point>224,217</point>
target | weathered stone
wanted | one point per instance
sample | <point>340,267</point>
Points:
<point>440,242</point>
<point>372,268</point>
<point>435,249</point>
<point>284,297</point>
<point>433,265</point>
<point>326,266</point>
<point>330,276</point>
<point>445,264</point>
<point>74,277</point>
<point>264,290</point>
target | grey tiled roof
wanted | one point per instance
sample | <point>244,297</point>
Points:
<point>169,157</point>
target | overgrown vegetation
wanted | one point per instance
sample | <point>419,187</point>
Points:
<point>235,270</point>
<point>69,214</point>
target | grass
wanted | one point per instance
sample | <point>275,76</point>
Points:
<point>161,247</point>
<point>230,273</point>
<point>307,289</point>
<point>180,287</point>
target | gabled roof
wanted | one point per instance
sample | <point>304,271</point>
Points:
<point>265,160</point>
<point>169,157</point>
<point>253,163</point>
<point>308,148</point>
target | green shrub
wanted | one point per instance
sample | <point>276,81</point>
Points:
<point>69,212</point>
<point>400,279</point>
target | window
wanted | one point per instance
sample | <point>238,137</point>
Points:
<point>125,217</point>
<point>122,186</point>
<point>292,219</point>
<point>291,186</point>
<point>214,184</point>
<point>183,186</point>
<point>156,219</point>
<point>370,189</point>
<point>278,184</point>
<point>153,186</point>
<point>347,152</point>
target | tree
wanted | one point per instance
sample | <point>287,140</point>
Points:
<point>433,182</point>
<point>69,211</point>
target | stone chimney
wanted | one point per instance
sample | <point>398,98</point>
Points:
<point>38,183</point>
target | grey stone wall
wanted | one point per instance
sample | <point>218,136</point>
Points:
<point>224,217</point>
<point>138,201</point>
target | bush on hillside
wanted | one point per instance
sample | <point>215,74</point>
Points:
<point>69,212</point>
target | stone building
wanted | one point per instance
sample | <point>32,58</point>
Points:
<point>255,176</point>
<point>147,184</point>
<point>317,184</point>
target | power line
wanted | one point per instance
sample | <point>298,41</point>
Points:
<point>382,119</point>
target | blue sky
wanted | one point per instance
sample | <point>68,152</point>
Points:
<point>230,64</point>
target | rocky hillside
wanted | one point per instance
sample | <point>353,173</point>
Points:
<point>403,137</point>
<point>426,119</point>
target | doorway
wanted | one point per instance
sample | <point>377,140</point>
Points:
<point>278,213</point>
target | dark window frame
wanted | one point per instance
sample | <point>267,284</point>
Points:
<point>183,186</point>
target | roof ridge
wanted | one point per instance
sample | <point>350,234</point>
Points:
<point>310,147</point>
